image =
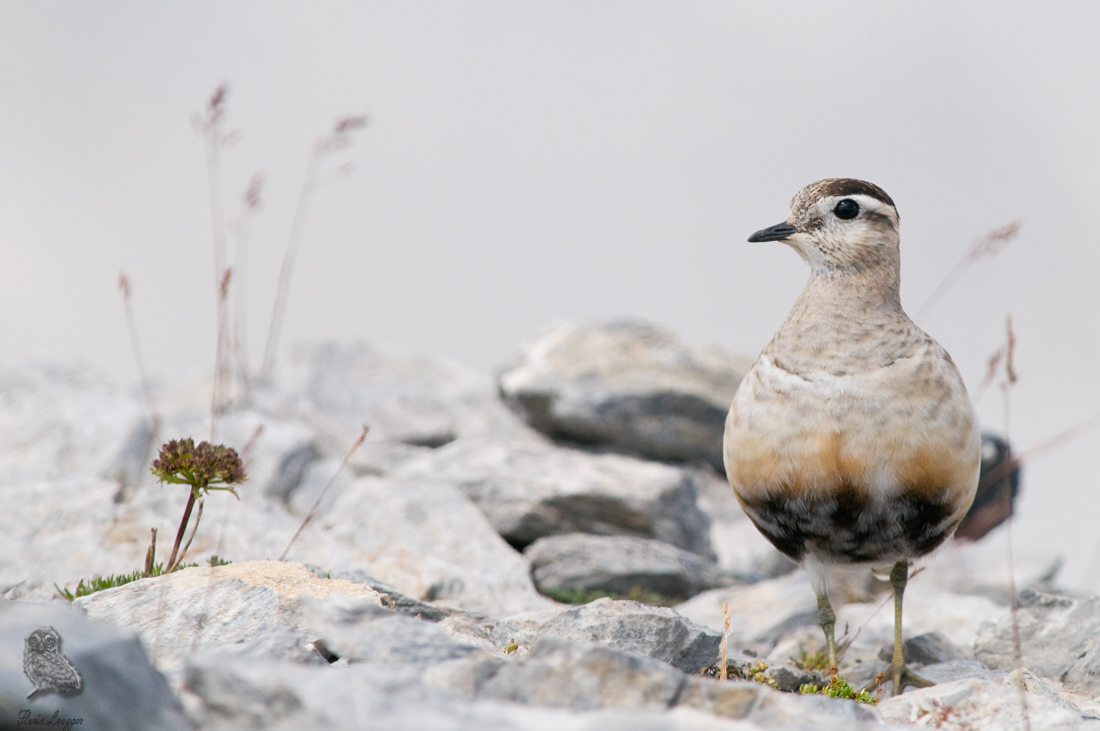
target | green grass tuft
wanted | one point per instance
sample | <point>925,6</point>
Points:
<point>98,582</point>
<point>839,688</point>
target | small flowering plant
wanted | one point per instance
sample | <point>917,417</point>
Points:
<point>205,467</point>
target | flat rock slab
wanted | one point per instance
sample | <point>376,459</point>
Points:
<point>362,630</point>
<point>982,704</point>
<point>619,564</point>
<point>530,490</point>
<point>120,689</point>
<point>1059,638</point>
<point>427,539</point>
<point>251,603</point>
<point>655,632</point>
<point>627,386</point>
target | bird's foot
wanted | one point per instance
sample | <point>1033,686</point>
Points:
<point>901,677</point>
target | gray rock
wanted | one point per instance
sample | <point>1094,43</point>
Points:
<point>529,490</point>
<point>581,676</point>
<point>361,630</point>
<point>292,467</point>
<point>950,670</point>
<point>769,708</point>
<point>928,608</point>
<point>242,603</point>
<point>926,649</point>
<point>224,692</point>
<point>981,568</point>
<point>760,614</point>
<point>426,539</point>
<point>655,632</point>
<point>391,597</point>
<point>628,386</point>
<point>120,689</point>
<point>981,705</point>
<point>61,420</point>
<point>619,564</point>
<point>562,674</point>
<point>337,387</point>
<point>1059,638</point>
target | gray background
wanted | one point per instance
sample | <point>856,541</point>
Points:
<point>582,160</point>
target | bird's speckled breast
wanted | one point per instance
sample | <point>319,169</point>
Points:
<point>852,460</point>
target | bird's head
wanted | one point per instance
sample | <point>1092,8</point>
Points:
<point>839,224</point>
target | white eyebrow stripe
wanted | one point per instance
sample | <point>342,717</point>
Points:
<point>864,201</point>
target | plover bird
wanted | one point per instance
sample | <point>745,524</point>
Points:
<point>852,439</point>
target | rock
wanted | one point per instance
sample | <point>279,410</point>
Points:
<point>120,689</point>
<point>362,630</point>
<point>773,709</point>
<point>582,677</point>
<point>579,676</point>
<point>242,603</point>
<point>1059,638</point>
<point>951,670</point>
<point>981,568</point>
<point>225,692</point>
<point>65,420</point>
<point>760,614</point>
<point>618,564</point>
<point>981,704</point>
<point>655,632</point>
<point>424,538</point>
<point>65,530</point>
<point>529,490</point>
<point>337,387</point>
<point>926,649</point>
<point>928,608</point>
<point>627,386</point>
<point>391,597</point>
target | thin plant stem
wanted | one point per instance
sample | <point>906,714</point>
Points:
<point>143,374</point>
<point>194,530</point>
<point>217,397</point>
<point>1017,645</point>
<point>183,528</point>
<point>338,138</point>
<point>723,672</point>
<point>283,288</point>
<point>250,204</point>
<point>151,554</point>
<point>317,503</point>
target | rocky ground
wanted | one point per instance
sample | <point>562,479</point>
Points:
<point>429,591</point>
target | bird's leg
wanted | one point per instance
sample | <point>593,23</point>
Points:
<point>826,617</point>
<point>899,673</point>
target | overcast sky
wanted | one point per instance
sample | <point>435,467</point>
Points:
<point>533,161</point>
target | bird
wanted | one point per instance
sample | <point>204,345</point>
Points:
<point>46,666</point>
<point>851,440</point>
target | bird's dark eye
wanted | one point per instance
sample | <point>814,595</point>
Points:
<point>846,209</point>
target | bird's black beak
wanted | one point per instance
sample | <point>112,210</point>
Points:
<point>778,232</point>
